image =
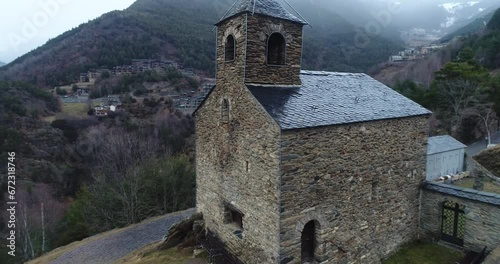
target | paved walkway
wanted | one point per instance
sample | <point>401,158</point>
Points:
<point>479,146</point>
<point>493,257</point>
<point>116,246</point>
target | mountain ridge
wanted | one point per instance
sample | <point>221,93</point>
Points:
<point>167,29</point>
<point>494,23</point>
<point>483,42</point>
<point>480,23</point>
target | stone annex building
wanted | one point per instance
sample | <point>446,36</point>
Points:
<point>303,166</point>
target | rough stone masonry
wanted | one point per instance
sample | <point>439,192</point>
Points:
<point>279,152</point>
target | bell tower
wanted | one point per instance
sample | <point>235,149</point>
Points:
<point>259,42</point>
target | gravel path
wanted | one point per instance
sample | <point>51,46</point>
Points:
<point>116,246</point>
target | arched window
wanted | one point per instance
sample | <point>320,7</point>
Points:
<point>230,51</point>
<point>308,241</point>
<point>276,46</point>
<point>225,111</point>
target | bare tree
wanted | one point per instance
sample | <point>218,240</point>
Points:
<point>487,116</point>
<point>25,233</point>
<point>119,158</point>
<point>460,95</point>
<point>43,227</point>
<point>36,227</point>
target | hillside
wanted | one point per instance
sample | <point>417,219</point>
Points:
<point>2,63</point>
<point>420,71</point>
<point>484,42</point>
<point>486,45</point>
<point>475,26</point>
<point>168,29</point>
<point>21,106</point>
<point>494,23</point>
<point>58,156</point>
<point>490,159</point>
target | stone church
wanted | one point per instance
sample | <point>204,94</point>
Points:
<point>303,166</point>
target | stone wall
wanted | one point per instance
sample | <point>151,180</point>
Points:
<point>224,151</point>
<point>482,213</point>
<point>257,70</point>
<point>232,70</point>
<point>250,62</point>
<point>359,183</point>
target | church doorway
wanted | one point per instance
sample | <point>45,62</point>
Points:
<point>308,242</point>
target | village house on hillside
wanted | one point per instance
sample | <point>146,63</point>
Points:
<point>300,166</point>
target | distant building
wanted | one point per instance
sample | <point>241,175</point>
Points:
<point>445,156</point>
<point>431,48</point>
<point>93,76</point>
<point>101,111</point>
<point>83,77</point>
<point>89,77</point>
<point>83,91</point>
<point>395,58</point>
<point>141,65</point>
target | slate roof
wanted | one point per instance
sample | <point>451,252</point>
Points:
<point>441,144</point>
<point>329,98</point>
<point>471,194</point>
<point>263,7</point>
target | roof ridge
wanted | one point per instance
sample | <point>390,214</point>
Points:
<point>271,8</point>
<point>326,99</point>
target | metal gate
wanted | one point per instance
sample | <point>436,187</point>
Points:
<point>453,223</point>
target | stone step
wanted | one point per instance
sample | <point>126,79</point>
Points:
<point>493,257</point>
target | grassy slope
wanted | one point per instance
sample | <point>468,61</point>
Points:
<point>425,253</point>
<point>490,159</point>
<point>75,109</point>
<point>149,255</point>
<point>489,186</point>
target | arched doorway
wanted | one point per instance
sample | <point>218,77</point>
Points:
<point>308,242</point>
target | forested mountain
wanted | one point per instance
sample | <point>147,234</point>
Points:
<point>494,23</point>
<point>80,154</point>
<point>477,25</point>
<point>182,31</point>
<point>484,43</point>
<point>333,44</point>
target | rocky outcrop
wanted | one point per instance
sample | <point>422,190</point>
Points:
<point>185,233</point>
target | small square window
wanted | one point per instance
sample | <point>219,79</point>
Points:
<point>233,217</point>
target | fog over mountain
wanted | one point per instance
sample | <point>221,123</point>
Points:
<point>2,63</point>
<point>438,17</point>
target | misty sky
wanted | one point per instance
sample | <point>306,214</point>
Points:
<point>27,24</point>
